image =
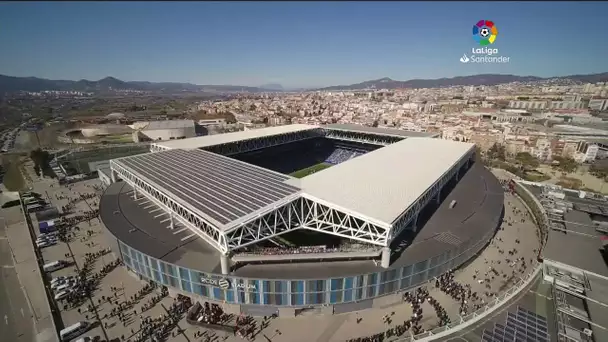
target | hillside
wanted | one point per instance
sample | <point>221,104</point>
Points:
<point>10,84</point>
<point>474,80</point>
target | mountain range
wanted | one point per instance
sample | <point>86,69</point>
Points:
<point>9,84</point>
<point>473,80</point>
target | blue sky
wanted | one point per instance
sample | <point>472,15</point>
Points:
<point>298,44</point>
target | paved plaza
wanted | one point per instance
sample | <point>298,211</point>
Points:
<point>517,235</point>
<point>17,319</point>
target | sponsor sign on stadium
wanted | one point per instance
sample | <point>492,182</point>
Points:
<point>225,284</point>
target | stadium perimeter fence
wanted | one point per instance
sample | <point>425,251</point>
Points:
<point>540,217</point>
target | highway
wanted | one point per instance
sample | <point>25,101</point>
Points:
<point>16,320</point>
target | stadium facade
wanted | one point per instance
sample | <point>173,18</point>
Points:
<point>188,214</point>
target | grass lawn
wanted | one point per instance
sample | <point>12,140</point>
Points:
<point>310,170</point>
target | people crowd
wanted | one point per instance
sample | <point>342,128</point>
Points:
<point>458,292</point>
<point>158,329</point>
<point>211,314</point>
<point>307,250</point>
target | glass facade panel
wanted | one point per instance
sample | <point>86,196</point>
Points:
<point>218,293</point>
<point>407,271</point>
<point>147,270</point>
<point>348,295</point>
<point>156,276</point>
<point>336,297</point>
<point>230,296</point>
<point>296,292</point>
<point>315,298</point>
<point>420,266</point>
<point>186,286</point>
<point>359,293</point>
<point>391,287</point>
<point>433,272</point>
<point>297,286</point>
<point>336,284</point>
<point>372,279</point>
<point>173,282</point>
<point>184,274</point>
<point>254,297</point>
<point>417,279</point>
<point>297,299</point>
<point>434,261</point>
<point>371,291</point>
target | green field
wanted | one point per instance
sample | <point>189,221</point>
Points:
<point>310,170</point>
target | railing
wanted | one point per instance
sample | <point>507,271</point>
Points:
<point>536,210</point>
<point>472,318</point>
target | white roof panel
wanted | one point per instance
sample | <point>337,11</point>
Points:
<point>384,183</point>
<point>218,139</point>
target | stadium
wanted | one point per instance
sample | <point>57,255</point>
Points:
<point>290,219</point>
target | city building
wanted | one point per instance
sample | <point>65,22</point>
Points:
<point>598,104</point>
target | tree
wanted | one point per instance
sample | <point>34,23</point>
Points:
<point>599,171</point>
<point>41,161</point>
<point>527,160</point>
<point>567,165</point>
<point>497,151</point>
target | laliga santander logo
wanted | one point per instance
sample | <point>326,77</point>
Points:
<point>485,32</point>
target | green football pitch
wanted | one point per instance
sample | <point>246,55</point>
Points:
<point>310,170</point>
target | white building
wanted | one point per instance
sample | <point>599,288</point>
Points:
<point>163,130</point>
<point>598,104</point>
<point>586,152</point>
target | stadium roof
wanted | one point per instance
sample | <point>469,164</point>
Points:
<point>384,183</point>
<point>379,130</point>
<point>212,140</point>
<point>479,196</point>
<point>218,188</point>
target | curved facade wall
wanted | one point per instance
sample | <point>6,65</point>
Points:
<point>294,292</point>
<point>101,130</point>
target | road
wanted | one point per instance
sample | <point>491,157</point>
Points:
<point>16,320</point>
